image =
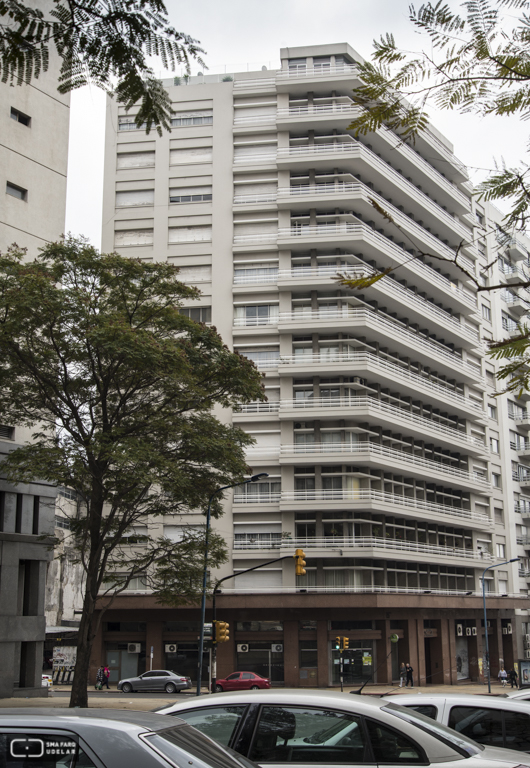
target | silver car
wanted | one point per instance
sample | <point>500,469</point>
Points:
<point>326,728</point>
<point>490,720</point>
<point>91,738</point>
<point>155,680</point>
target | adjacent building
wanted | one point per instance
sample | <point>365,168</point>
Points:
<point>390,461</point>
<point>33,158</point>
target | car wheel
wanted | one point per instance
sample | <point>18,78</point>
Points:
<point>254,687</point>
<point>126,688</point>
<point>170,688</point>
<point>219,688</point>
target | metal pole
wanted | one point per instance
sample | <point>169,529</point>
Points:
<point>486,640</point>
<point>341,672</point>
<point>214,644</point>
<point>205,570</point>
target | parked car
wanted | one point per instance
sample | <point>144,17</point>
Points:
<point>91,738</point>
<point>327,728</point>
<point>155,680</point>
<point>496,721</point>
<point>522,695</point>
<point>47,680</point>
<point>242,681</point>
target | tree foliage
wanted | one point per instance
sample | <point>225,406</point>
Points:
<point>103,42</point>
<point>94,350</point>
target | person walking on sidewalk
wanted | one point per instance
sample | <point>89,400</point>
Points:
<point>402,674</point>
<point>512,677</point>
<point>409,672</point>
<point>503,677</point>
<point>106,675</point>
<point>99,678</point>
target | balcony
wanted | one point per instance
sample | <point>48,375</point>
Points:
<point>517,304</point>
<point>377,545</point>
<point>373,453</point>
<point>514,274</point>
<point>391,373</point>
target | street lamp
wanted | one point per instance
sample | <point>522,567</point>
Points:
<point>513,560</point>
<point>253,479</point>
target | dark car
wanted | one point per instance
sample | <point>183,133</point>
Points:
<point>242,681</point>
<point>91,738</point>
<point>155,680</point>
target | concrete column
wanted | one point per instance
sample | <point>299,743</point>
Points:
<point>323,654</point>
<point>153,637</point>
<point>291,670</point>
<point>451,643</point>
<point>383,648</point>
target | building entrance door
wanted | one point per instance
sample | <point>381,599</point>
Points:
<point>122,664</point>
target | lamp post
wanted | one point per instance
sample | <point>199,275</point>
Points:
<point>253,479</point>
<point>513,560</point>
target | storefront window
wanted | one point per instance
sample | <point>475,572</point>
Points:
<point>259,626</point>
<point>359,663</point>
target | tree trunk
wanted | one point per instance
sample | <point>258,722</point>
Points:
<point>79,695</point>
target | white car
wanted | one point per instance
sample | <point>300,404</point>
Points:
<point>518,695</point>
<point>490,720</point>
<point>325,728</point>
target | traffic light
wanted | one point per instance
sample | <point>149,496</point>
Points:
<point>221,632</point>
<point>300,562</point>
<point>337,643</point>
<point>345,643</point>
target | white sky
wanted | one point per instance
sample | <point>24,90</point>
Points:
<point>241,34</point>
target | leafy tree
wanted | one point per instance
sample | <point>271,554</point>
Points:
<point>103,42</point>
<point>95,351</point>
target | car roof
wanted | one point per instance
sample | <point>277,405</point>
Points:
<point>243,672</point>
<point>464,699</point>
<point>119,719</point>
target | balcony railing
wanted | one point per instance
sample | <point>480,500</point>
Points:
<point>371,450</point>
<point>367,542</point>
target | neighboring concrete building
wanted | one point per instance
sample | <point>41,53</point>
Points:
<point>33,158</point>
<point>382,435</point>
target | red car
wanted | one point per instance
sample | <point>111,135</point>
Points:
<point>242,681</point>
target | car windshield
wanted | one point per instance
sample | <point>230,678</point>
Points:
<point>179,744</point>
<point>461,743</point>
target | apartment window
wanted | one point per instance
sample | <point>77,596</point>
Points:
<point>499,516</point>
<point>7,433</point>
<point>199,314</point>
<point>15,191</point>
<point>262,314</point>
<point>503,586</point>
<point>486,313</point>
<point>198,274</point>
<point>479,217</point>
<point>62,522</point>
<point>189,234</point>
<point>20,117</point>
<point>501,550</point>
<point>135,197</point>
<point>492,411</point>
<point>135,159</point>
<point>36,515</point>
<point>494,445</point>
<point>190,194</point>
<point>126,237</point>
<point>190,155</point>
<point>200,117</point>
<point>495,480</point>
<point>129,124</point>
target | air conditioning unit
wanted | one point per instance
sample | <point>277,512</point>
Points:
<point>509,628</point>
<point>134,647</point>
<point>242,648</point>
<point>505,630</point>
<point>526,645</point>
<point>527,638</point>
<point>170,648</point>
<point>468,631</point>
<point>358,380</point>
<point>277,648</point>
<point>473,630</point>
<point>527,654</point>
<point>459,630</point>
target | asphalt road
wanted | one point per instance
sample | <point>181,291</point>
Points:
<point>173,698</point>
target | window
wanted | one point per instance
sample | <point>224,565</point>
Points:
<point>486,313</point>
<point>219,723</point>
<point>129,124</point>
<point>501,550</point>
<point>135,159</point>
<point>389,746</point>
<point>190,155</point>
<point>494,445</point>
<point>492,411</point>
<point>495,480</point>
<point>190,194</point>
<point>126,198</point>
<point>426,709</point>
<point>199,314</point>
<point>482,725</point>
<point>190,234</point>
<point>196,274</point>
<point>200,117</point>
<point>14,191</point>
<point>306,735</point>
<point>262,314</point>
<point>20,117</point>
<point>125,237</point>
<point>62,522</point>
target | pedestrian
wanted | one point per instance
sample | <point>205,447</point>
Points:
<point>503,677</point>
<point>512,677</point>
<point>106,675</point>
<point>100,674</point>
<point>402,674</point>
<point>409,671</point>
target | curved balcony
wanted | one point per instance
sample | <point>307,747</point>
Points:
<point>374,454</point>
<point>352,545</point>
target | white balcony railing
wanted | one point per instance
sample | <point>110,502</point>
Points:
<point>351,404</point>
<point>367,542</point>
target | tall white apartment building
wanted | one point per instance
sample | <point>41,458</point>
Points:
<point>382,438</point>
<point>34,122</point>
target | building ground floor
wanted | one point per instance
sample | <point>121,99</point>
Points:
<point>291,638</point>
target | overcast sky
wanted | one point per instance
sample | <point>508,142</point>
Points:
<point>246,34</point>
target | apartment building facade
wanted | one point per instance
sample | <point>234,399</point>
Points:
<point>381,417</point>
<point>34,121</point>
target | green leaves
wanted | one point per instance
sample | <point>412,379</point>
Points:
<point>366,281</point>
<point>102,42</point>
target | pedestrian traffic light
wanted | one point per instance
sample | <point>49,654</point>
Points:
<point>300,562</point>
<point>337,643</point>
<point>221,632</point>
<point>345,643</point>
